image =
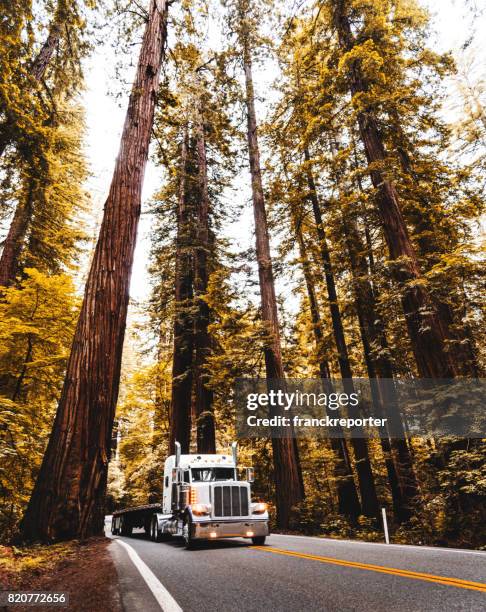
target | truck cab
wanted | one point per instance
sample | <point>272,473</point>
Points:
<point>197,474</point>
<point>207,499</point>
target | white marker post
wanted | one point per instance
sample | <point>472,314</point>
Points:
<point>385,525</point>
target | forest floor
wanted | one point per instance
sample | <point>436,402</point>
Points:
<point>84,570</point>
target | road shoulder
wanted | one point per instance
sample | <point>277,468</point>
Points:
<point>85,571</point>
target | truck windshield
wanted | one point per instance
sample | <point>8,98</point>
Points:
<point>211,474</point>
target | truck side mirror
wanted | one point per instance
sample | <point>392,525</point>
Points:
<point>250,474</point>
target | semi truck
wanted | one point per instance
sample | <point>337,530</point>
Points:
<point>203,499</point>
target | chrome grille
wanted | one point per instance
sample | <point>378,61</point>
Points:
<point>230,500</point>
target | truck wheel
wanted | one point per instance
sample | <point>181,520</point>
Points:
<point>155,534</point>
<point>187,532</point>
<point>258,540</point>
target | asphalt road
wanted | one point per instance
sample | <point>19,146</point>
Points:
<point>298,574</point>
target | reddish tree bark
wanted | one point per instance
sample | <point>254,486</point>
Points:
<point>398,461</point>
<point>39,65</point>
<point>430,247</point>
<point>182,363</point>
<point>369,499</point>
<point>348,500</point>
<point>68,497</point>
<point>287,473</point>
<point>12,246</point>
<point>429,332</point>
<point>206,435</point>
<point>399,465</point>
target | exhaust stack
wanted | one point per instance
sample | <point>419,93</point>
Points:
<point>177,454</point>
<point>234,450</point>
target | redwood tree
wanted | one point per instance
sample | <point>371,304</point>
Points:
<point>428,329</point>
<point>206,435</point>
<point>348,500</point>
<point>9,129</point>
<point>17,128</point>
<point>369,499</point>
<point>182,360</point>
<point>287,472</point>
<point>13,242</point>
<point>68,497</point>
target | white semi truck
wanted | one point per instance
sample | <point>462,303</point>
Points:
<point>203,499</point>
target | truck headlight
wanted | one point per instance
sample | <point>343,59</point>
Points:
<point>258,508</point>
<point>201,509</point>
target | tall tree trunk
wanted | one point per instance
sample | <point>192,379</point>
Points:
<point>429,246</point>
<point>369,499</point>
<point>182,364</point>
<point>40,63</point>
<point>14,241</point>
<point>428,332</point>
<point>348,500</point>
<point>206,435</point>
<point>38,68</point>
<point>401,475</point>
<point>399,465</point>
<point>12,246</point>
<point>68,496</point>
<point>287,472</point>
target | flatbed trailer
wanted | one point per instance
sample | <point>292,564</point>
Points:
<point>135,517</point>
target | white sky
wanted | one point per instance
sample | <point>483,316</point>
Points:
<point>451,20</point>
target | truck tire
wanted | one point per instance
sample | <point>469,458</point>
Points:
<point>155,534</point>
<point>258,540</point>
<point>187,532</point>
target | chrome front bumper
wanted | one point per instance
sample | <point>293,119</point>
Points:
<point>212,530</point>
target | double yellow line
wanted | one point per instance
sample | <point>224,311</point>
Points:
<point>455,582</point>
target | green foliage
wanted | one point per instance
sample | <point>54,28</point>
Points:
<point>462,485</point>
<point>25,104</point>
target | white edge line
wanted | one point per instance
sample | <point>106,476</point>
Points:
<point>414,546</point>
<point>161,594</point>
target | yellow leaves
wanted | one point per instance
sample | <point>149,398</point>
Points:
<point>368,57</point>
<point>37,322</point>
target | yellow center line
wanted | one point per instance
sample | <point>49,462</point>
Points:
<point>444,580</point>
